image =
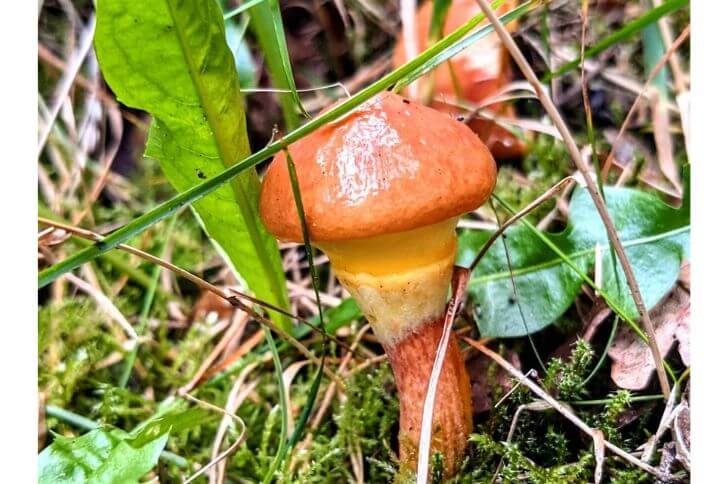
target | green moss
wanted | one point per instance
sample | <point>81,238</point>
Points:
<point>546,164</point>
<point>566,379</point>
<point>365,420</point>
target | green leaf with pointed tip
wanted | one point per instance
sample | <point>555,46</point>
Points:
<point>656,238</point>
<point>170,58</point>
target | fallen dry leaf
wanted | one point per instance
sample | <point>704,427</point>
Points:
<point>211,308</point>
<point>486,377</point>
<point>632,363</point>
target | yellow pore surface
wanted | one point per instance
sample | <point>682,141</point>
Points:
<point>399,280</point>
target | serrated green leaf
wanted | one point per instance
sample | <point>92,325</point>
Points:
<point>170,58</point>
<point>655,237</point>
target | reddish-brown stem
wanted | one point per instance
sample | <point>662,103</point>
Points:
<point>411,360</point>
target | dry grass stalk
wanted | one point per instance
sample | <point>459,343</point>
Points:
<point>563,409</point>
<point>203,284</point>
<point>590,185</point>
<point>643,93</point>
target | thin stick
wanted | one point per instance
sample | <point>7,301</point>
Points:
<point>229,450</point>
<point>562,409</point>
<point>522,213</point>
<point>460,279</point>
<point>203,284</point>
<point>591,187</point>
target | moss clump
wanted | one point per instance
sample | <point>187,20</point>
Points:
<point>72,339</point>
<point>512,465</point>
<point>566,379</point>
<point>366,420</point>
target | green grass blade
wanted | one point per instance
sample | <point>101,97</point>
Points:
<point>265,18</point>
<point>174,62</point>
<point>241,8</point>
<point>304,226</point>
<point>303,418</point>
<point>213,183</point>
<point>130,357</point>
<point>652,52</point>
<point>625,32</point>
<point>437,22</point>
<point>116,261</point>
<point>307,409</point>
<point>283,405</point>
<point>458,47</point>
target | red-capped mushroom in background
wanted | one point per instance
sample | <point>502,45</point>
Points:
<point>382,190</point>
<point>474,75</point>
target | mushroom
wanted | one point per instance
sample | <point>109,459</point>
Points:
<point>382,189</point>
<point>474,75</point>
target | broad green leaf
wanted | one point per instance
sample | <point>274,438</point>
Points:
<point>100,456</point>
<point>109,454</point>
<point>170,58</point>
<point>655,237</point>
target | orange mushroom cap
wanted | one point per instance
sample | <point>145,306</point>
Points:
<point>389,166</point>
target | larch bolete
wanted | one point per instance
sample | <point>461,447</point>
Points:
<point>382,190</point>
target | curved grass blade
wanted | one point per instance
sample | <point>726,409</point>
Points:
<point>213,183</point>
<point>628,30</point>
<point>295,187</point>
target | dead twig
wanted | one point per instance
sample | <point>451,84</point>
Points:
<point>554,190</point>
<point>460,278</point>
<point>563,410</point>
<point>573,149</point>
<point>203,284</point>
<point>223,455</point>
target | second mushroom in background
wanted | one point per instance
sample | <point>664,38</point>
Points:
<point>472,77</point>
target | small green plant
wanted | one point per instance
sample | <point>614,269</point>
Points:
<point>566,380</point>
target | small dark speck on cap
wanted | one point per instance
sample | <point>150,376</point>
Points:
<point>406,101</point>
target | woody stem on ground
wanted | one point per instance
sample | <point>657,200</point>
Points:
<point>591,186</point>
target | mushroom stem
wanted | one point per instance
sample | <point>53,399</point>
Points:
<point>411,360</point>
<point>401,283</point>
